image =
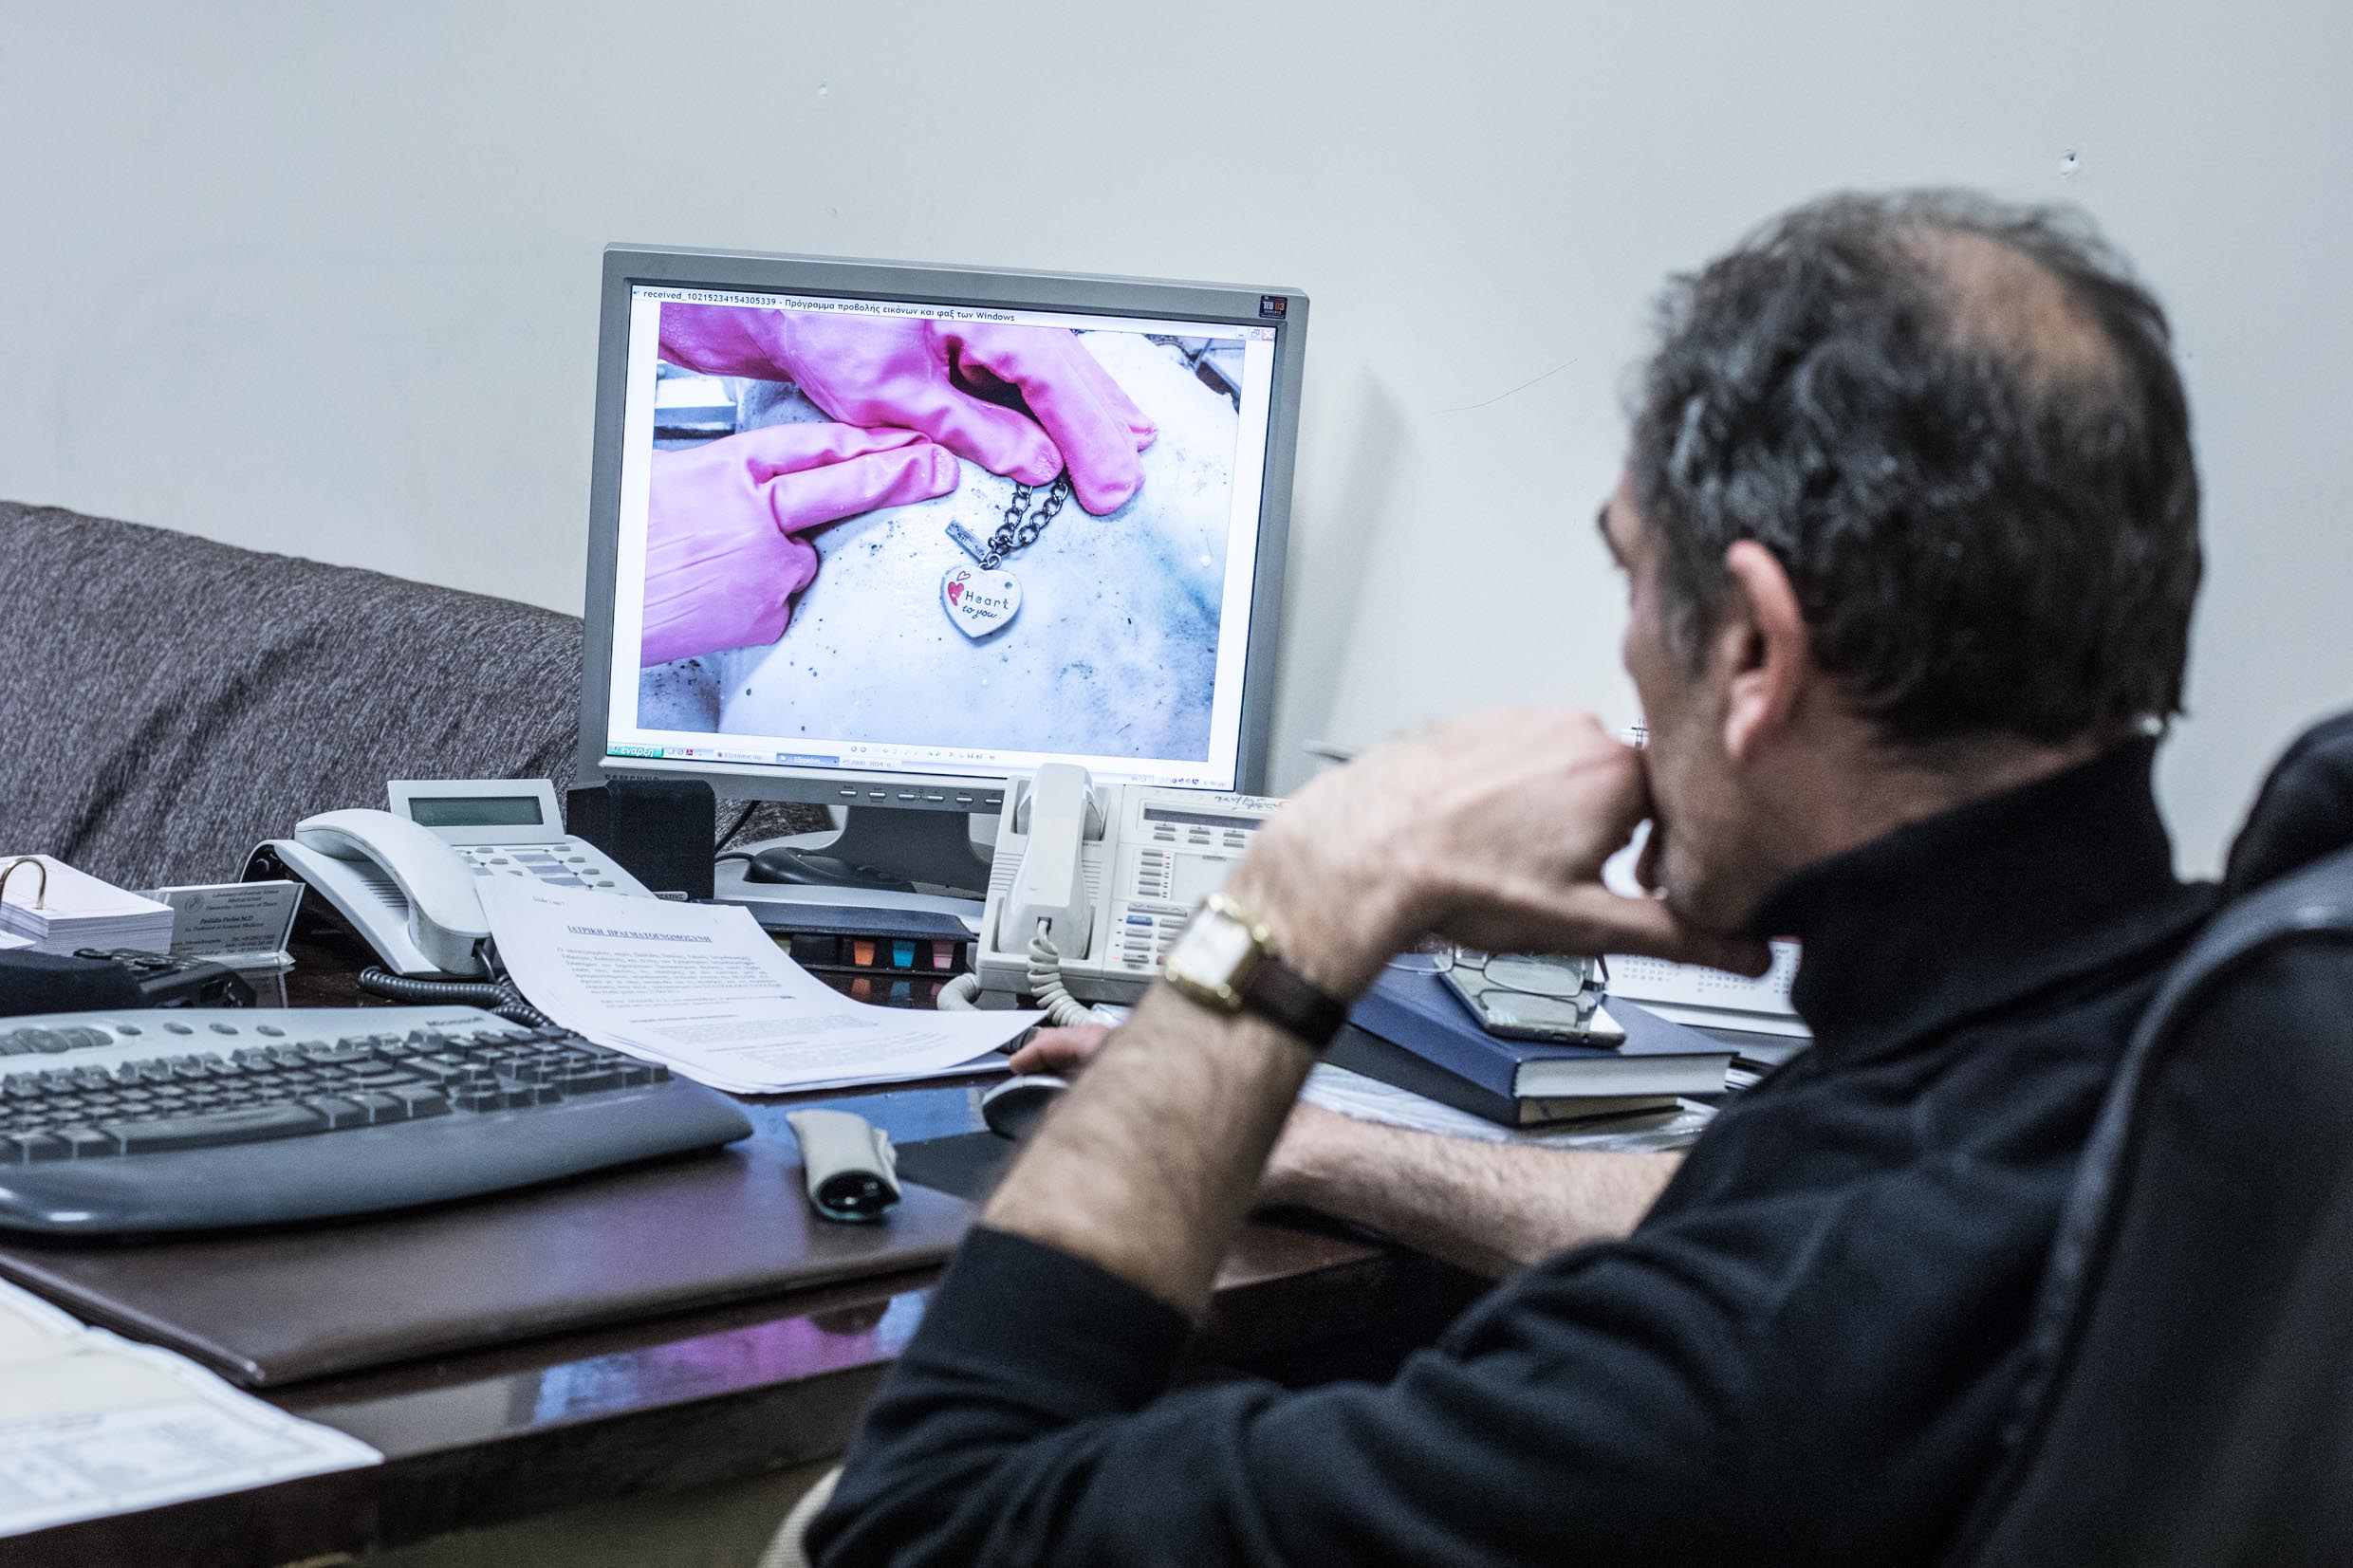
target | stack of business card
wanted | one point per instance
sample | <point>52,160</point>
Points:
<point>56,908</point>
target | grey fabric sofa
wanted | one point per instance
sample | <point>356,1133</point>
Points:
<point>167,702</point>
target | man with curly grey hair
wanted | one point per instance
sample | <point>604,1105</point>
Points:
<point>1909,527</point>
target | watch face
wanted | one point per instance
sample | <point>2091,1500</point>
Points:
<point>1212,955</point>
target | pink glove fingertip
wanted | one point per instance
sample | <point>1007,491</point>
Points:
<point>1037,469</point>
<point>947,473</point>
<point>931,472</point>
<point>1102,496</point>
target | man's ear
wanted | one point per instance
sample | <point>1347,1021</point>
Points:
<point>1763,641</point>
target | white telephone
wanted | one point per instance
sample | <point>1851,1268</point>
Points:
<point>404,877</point>
<point>1091,882</point>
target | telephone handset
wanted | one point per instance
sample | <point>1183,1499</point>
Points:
<point>1053,893</point>
<point>403,888</point>
<point>405,878</point>
<point>1106,873</point>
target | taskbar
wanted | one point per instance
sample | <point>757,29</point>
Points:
<point>861,760</point>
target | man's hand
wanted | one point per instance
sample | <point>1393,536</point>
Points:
<point>1063,1051</point>
<point>1490,831</point>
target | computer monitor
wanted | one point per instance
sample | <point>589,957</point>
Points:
<point>878,535</point>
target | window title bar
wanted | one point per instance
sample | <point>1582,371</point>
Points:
<point>1171,325</point>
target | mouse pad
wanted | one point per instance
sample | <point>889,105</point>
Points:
<point>967,1164</point>
<point>267,1308</point>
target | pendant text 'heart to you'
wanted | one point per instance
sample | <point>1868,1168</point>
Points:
<point>979,602</point>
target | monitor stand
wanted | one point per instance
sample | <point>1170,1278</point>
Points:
<point>885,850</point>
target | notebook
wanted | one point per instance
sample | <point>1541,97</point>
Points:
<point>55,908</point>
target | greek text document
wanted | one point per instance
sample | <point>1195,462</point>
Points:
<point>92,1425</point>
<point>703,990</point>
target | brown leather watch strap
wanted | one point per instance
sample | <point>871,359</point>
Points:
<point>1291,1000</point>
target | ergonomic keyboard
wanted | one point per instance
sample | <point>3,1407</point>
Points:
<point>114,1123</point>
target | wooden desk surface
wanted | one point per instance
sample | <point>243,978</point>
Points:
<point>700,1398</point>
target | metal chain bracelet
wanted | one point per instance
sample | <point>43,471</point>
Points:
<point>1022,525</point>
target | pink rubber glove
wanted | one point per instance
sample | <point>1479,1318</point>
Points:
<point>722,561</point>
<point>921,374</point>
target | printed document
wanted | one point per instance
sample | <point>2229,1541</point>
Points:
<point>92,1425</point>
<point>1369,1099</point>
<point>703,990</point>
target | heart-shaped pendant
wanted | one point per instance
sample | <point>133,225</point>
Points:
<point>979,602</point>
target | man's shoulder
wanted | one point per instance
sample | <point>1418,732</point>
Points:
<point>1918,1167</point>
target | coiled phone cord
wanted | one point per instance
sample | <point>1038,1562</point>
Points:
<point>1063,1010</point>
<point>501,996</point>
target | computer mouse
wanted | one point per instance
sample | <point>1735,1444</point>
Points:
<point>805,868</point>
<point>1015,1106</point>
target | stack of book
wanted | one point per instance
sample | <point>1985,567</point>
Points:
<point>1412,1032</point>
<point>47,905</point>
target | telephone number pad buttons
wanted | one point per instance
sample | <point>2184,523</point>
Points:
<point>562,864</point>
<point>1150,922</point>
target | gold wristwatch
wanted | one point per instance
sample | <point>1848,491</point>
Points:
<point>1224,959</point>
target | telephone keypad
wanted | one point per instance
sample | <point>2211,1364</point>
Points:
<point>562,870</point>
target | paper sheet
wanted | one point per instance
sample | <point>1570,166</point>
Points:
<point>1692,993</point>
<point>1369,1099</point>
<point>702,989</point>
<point>92,1425</point>
<point>1705,997</point>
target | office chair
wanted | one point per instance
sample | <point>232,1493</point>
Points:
<point>2190,1392</point>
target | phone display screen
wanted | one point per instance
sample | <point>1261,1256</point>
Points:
<point>475,811</point>
<point>1198,819</point>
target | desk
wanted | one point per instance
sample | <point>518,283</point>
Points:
<point>703,1398</point>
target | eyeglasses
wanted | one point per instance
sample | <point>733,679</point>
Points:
<point>1547,992</point>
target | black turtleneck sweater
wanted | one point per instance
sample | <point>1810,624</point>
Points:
<point>1802,1355</point>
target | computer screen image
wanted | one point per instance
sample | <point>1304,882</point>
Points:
<point>895,535</point>
<point>884,535</point>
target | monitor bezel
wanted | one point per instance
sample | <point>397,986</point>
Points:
<point>627,265</point>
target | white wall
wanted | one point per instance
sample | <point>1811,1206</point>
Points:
<point>321,278</point>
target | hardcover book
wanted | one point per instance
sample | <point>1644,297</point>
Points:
<point>1430,1037</point>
